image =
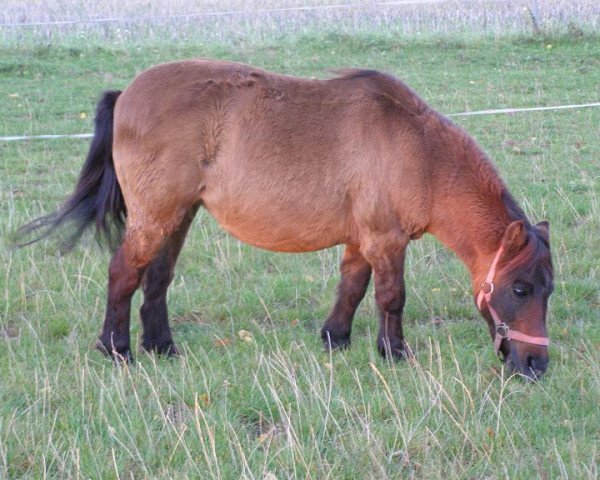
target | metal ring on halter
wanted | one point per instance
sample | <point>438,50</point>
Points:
<point>487,287</point>
<point>502,330</point>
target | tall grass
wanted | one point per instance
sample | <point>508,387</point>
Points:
<point>231,21</point>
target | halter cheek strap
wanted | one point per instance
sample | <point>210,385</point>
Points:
<point>502,329</point>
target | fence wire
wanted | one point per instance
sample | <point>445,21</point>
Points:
<point>459,114</point>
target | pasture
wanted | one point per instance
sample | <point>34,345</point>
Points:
<point>254,394</point>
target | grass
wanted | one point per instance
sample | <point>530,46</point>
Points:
<point>254,395</point>
<point>233,21</point>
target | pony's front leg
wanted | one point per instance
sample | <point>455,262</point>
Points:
<point>386,256</point>
<point>355,275</point>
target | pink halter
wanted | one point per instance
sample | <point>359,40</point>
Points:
<point>502,329</point>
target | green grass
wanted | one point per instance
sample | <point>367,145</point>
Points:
<point>271,403</point>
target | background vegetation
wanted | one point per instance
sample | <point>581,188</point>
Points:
<point>238,21</point>
<point>254,395</point>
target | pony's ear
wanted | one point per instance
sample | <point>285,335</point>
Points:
<point>515,237</point>
<point>543,228</point>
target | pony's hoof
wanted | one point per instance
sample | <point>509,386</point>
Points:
<point>119,356</point>
<point>168,349</point>
<point>335,342</point>
<point>394,349</point>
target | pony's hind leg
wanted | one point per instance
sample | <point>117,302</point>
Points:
<point>155,282</point>
<point>139,249</point>
<point>355,275</point>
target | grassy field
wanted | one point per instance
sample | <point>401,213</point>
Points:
<point>254,395</point>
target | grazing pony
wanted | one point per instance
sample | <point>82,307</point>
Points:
<point>296,165</point>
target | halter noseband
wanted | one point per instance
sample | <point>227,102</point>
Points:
<point>502,330</point>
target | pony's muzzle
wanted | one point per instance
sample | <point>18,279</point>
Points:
<point>536,365</point>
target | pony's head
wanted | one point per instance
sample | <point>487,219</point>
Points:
<point>513,298</point>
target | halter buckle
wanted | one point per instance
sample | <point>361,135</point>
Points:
<point>487,287</point>
<point>502,329</point>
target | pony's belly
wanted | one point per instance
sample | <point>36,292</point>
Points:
<point>280,231</point>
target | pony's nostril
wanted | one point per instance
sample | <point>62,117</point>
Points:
<point>537,365</point>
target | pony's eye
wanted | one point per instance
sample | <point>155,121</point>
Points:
<point>519,291</point>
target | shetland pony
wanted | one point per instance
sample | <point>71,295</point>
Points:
<point>296,165</point>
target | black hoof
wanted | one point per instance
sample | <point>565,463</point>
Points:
<point>392,349</point>
<point>168,348</point>
<point>332,341</point>
<point>119,355</point>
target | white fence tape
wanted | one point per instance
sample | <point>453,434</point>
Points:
<point>40,137</point>
<point>460,114</point>
<point>228,12</point>
<point>518,110</point>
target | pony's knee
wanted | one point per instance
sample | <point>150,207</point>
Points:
<point>391,299</point>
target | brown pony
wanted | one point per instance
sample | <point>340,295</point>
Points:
<point>296,165</point>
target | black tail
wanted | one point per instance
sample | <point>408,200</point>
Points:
<point>97,197</point>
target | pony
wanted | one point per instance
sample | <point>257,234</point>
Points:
<point>296,165</point>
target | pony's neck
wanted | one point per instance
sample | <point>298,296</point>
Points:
<point>471,205</point>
